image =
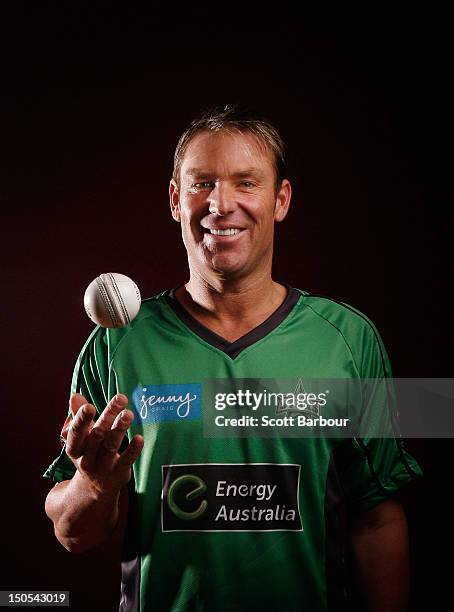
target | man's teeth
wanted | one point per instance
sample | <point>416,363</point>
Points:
<point>226,232</point>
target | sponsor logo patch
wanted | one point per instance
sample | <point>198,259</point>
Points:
<point>231,497</point>
<point>153,403</point>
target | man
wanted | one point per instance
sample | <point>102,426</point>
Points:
<point>237,522</point>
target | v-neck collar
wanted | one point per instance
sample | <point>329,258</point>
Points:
<point>233,349</point>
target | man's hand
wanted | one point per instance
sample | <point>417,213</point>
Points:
<point>85,509</point>
<point>93,446</point>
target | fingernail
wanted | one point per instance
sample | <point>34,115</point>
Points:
<point>121,400</point>
<point>125,416</point>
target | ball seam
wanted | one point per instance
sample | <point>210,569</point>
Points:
<point>105,296</point>
<point>119,297</point>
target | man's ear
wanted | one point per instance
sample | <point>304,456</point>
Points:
<point>174,196</point>
<point>282,203</point>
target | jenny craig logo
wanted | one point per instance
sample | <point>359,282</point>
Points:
<point>230,497</point>
<point>153,403</point>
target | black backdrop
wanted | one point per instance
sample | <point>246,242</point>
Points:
<point>91,109</point>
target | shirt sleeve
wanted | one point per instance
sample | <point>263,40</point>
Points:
<point>91,379</point>
<point>377,463</point>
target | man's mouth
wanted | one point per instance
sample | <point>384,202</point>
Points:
<point>231,231</point>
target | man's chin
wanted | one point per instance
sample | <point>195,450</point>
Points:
<point>227,265</point>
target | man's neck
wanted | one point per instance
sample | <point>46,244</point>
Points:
<point>231,308</point>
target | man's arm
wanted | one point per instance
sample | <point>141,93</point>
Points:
<point>380,548</point>
<point>85,509</point>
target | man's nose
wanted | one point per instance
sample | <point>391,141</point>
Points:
<point>222,199</point>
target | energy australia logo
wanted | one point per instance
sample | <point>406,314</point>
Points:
<point>230,497</point>
<point>154,403</point>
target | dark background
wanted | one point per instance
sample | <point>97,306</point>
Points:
<point>92,106</point>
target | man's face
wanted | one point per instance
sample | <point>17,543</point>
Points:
<point>227,203</point>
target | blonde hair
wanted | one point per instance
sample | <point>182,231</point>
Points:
<point>231,119</point>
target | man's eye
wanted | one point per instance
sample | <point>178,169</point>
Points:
<point>203,185</point>
<point>247,184</point>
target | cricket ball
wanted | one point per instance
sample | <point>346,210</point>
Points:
<point>112,300</point>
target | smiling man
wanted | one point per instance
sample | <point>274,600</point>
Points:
<point>235,520</point>
<point>227,192</point>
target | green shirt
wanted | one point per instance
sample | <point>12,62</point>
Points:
<point>237,523</point>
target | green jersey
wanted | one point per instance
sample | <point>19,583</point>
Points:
<point>237,522</point>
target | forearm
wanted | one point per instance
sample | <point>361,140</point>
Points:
<point>82,518</point>
<point>380,547</point>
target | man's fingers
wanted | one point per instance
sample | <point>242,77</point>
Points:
<point>78,431</point>
<point>97,444</point>
<point>113,408</point>
<point>76,401</point>
<point>130,454</point>
<point>107,452</point>
<point>92,444</point>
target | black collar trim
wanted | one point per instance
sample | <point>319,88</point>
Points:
<point>233,349</point>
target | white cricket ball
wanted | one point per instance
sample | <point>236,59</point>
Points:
<point>112,300</point>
